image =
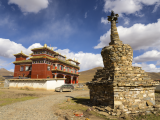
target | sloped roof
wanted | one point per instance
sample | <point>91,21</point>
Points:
<point>23,61</point>
<point>21,54</point>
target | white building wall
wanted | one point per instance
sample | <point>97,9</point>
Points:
<point>29,84</point>
<point>52,84</point>
<point>34,84</point>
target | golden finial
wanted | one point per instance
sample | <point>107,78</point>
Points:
<point>52,48</point>
<point>74,59</point>
<point>45,45</point>
<point>21,51</point>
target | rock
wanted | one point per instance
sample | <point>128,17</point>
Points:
<point>149,103</point>
<point>104,113</point>
<point>114,113</point>
<point>121,107</point>
<point>119,113</point>
<point>89,109</point>
<point>108,108</point>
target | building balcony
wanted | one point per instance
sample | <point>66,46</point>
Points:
<point>62,71</point>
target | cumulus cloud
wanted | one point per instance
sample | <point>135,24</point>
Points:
<point>139,36</point>
<point>85,16</point>
<point>8,48</point>
<point>87,60</point>
<point>147,67</point>
<point>30,6</point>
<point>127,6</point>
<point>153,55</point>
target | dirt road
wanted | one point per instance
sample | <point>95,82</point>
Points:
<point>36,109</point>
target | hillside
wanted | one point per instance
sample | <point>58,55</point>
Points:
<point>88,75</point>
<point>4,72</point>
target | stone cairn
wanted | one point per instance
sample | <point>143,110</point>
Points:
<point>119,87</point>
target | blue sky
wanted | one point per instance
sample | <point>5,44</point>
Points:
<point>79,29</point>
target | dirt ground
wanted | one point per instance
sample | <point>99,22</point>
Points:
<point>67,113</point>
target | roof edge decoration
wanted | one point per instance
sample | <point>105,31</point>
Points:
<point>23,61</point>
<point>21,53</point>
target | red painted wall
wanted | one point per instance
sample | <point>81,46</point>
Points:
<point>18,73</point>
<point>41,71</point>
<point>20,58</point>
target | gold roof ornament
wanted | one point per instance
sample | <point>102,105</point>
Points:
<point>51,48</point>
<point>21,51</point>
<point>45,45</point>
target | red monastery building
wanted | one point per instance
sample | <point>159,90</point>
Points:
<point>45,63</point>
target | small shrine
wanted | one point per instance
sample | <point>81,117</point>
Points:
<point>119,85</point>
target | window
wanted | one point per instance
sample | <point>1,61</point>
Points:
<point>30,68</point>
<point>53,66</point>
<point>58,66</point>
<point>27,68</point>
<point>48,68</point>
<point>21,68</point>
<point>61,67</point>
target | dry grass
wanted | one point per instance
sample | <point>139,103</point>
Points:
<point>77,104</point>
<point>7,98</point>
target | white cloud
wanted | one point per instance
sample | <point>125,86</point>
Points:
<point>158,63</point>
<point>104,20</point>
<point>11,70</point>
<point>153,55</point>
<point>8,48</point>
<point>85,16</point>
<point>29,6</point>
<point>127,6</point>
<point>139,36</point>
<point>126,20</point>
<point>87,60</point>
<point>147,67</point>
<point>156,7</point>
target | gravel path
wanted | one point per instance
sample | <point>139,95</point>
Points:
<point>36,109</point>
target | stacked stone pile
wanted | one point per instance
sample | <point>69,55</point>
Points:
<point>119,85</point>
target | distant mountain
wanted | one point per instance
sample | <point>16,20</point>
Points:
<point>4,72</point>
<point>88,75</point>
